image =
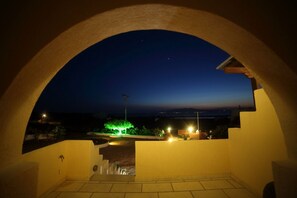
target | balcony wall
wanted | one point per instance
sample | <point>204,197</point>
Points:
<point>79,158</point>
<point>163,160</point>
<point>254,146</point>
<point>247,154</point>
<point>19,180</point>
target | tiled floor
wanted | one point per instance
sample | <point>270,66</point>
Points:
<point>194,188</point>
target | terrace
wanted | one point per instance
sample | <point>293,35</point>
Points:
<point>224,165</point>
<point>215,187</point>
<point>38,43</point>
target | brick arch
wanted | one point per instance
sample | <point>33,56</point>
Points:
<point>19,99</point>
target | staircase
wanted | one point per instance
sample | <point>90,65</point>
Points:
<point>112,172</point>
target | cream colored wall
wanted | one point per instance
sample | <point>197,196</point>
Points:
<point>79,158</point>
<point>195,158</point>
<point>19,181</point>
<point>82,155</point>
<point>251,150</point>
<point>256,144</point>
<point>51,170</point>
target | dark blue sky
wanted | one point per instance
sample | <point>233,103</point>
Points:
<point>158,70</point>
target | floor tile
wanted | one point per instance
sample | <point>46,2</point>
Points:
<point>70,186</point>
<point>179,188</point>
<point>117,178</point>
<point>141,195</point>
<point>221,177</point>
<point>53,194</point>
<point>92,182</point>
<point>235,183</point>
<point>175,195</point>
<point>126,188</point>
<point>159,187</point>
<point>96,188</point>
<point>169,180</point>
<point>142,182</point>
<point>216,184</point>
<point>74,195</point>
<point>210,194</point>
<point>196,178</point>
<point>183,186</point>
<point>235,193</point>
<point>108,195</point>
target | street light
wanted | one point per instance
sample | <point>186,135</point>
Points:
<point>125,99</point>
<point>43,117</point>
<point>197,113</point>
<point>170,139</point>
<point>190,129</point>
<point>169,129</point>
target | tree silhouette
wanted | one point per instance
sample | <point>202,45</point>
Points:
<point>119,125</point>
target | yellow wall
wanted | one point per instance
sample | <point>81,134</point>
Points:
<point>256,144</point>
<point>161,159</point>
<point>251,150</point>
<point>79,158</point>
<point>51,170</point>
<point>19,181</point>
<point>79,162</point>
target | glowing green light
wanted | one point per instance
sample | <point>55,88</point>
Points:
<point>118,125</point>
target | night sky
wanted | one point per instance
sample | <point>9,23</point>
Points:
<point>158,70</point>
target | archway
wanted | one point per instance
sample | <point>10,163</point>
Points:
<point>19,99</point>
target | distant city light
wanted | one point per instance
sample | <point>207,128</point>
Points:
<point>44,115</point>
<point>169,129</point>
<point>114,143</point>
<point>171,139</point>
<point>190,129</point>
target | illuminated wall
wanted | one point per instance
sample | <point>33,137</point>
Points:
<point>258,142</point>
<point>79,158</point>
<point>51,170</point>
<point>247,154</point>
<point>163,159</point>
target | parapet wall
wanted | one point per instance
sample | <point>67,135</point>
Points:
<point>247,154</point>
<point>254,146</point>
<point>71,159</point>
<point>168,160</point>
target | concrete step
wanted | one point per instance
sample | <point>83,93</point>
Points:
<point>100,158</point>
<point>104,167</point>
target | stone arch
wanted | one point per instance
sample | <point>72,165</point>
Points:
<point>20,97</point>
